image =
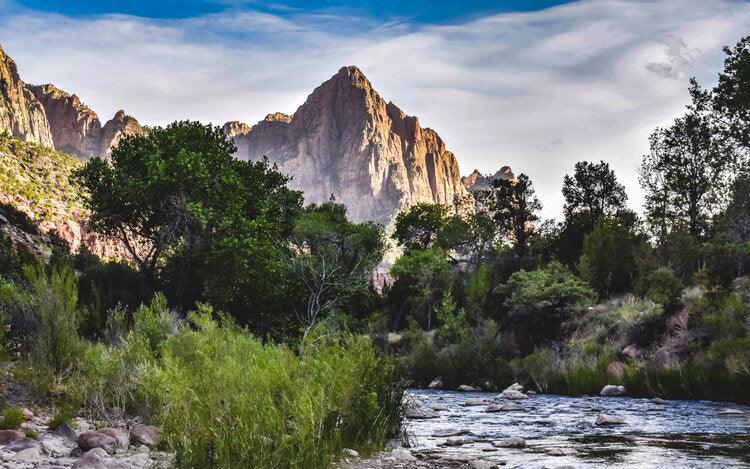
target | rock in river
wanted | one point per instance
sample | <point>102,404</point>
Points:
<point>467,388</point>
<point>606,419</point>
<point>512,442</point>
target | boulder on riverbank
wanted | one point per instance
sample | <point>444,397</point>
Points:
<point>611,390</point>
<point>436,383</point>
<point>467,388</point>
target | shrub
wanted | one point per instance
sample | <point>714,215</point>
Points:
<point>54,300</point>
<point>154,322</point>
<point>12,418</point>
<point>540,300</point>
<point>663,287</point>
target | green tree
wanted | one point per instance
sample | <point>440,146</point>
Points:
<point>514,206</point>
<point>594,190</point>
<point>540,300</point>
<point>334,260</point>
<point>685,174</point>
<point>419,226</point>
<point>206,225</point>
<point>608,261</point>
<point>731,96</point>
<point>421,278</point>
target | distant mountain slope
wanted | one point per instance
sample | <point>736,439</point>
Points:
<point>347,141</point>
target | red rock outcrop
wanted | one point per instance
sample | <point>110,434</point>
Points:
<point>21,114</point>
<point>347,141</point>
<point>75,128</point>
<point>115,129</point>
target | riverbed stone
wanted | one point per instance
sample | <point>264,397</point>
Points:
<point>6,436</point>
<point>122,438</point>
<point>65,430</point>
<point>512,394</point>
<point>29,455</point>
<point>475,401</point>
<point>612,390</point>
<point>21,444</point>
<point>92,439</point>
<point>27,413</point>
<point>607,419</point>
<point>512,442</point>
<point>446,432</point>
<point>148,435</point>
<point>436,383</point>
<point>402,455</point>
<point>729,411</point>
<point>509,407</point>
<point>482,464</point>
<point>437,406</point>
<point>467,388</point>
<point>350,453</point>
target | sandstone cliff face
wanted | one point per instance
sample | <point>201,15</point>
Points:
<point>75,128</point>
<point>21,114</point>
<point>347,141</point>
<point>115,129</point>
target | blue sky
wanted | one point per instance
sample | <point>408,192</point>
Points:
<point>537,85</point>
<point>428,11</point>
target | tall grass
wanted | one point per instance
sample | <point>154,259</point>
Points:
<point>225,399</point>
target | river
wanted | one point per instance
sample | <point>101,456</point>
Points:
<point>560,431</point>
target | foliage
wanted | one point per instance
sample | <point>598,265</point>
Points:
<point>540,300</point>
<point>54,302</point>
<point>663,287</point>
<point>39,176</point>
<point>209,225</point>
<point>418,227</point>
<point>423,276</point>
<point>608,261</point>
<point>513,206</point>
<point>593,190</point>
<point>335,259</point>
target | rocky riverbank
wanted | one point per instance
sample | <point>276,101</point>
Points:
<point>81,444</point>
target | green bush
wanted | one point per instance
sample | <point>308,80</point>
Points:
<point>226,400</point>
<point>664,288</point>
<point>54,301</point>
<point>540,300</point>
<point>154,322</point>
<point>12,418</point>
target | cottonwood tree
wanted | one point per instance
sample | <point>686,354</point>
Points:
<point>197,221</point>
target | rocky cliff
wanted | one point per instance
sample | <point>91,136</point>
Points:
<point>477,181</point>
<point>76,129</point>
<point>21,114</point>
<point>347,141</point>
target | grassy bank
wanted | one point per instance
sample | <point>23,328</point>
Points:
<point>222,397</point>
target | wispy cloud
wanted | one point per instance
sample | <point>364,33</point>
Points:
<point>538,91</point>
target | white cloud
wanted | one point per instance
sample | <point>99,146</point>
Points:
<point>538,91</point>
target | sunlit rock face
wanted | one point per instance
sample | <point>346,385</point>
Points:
<point>347,141</point>
<point>21,114</point>
<point>75,128</point>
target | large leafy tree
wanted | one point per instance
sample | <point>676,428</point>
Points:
<point>193,217</point>
<point>731,96</point>
<point>609,258</point>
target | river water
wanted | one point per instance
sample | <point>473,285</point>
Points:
<point>560,431</point>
